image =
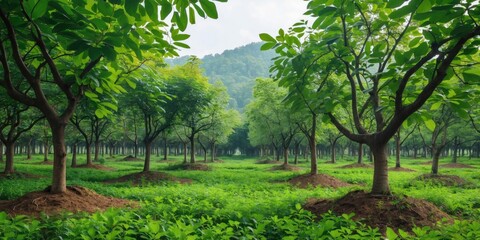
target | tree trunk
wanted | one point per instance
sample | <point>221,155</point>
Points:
<point>435,159</point>
<point>96,151</point>
<point>333,157</point>
<point>88,148</point>
<point>313,151</point>
<point>29,149</point>
<point>192,150</point>
<point>297,150</point>
<point>184,153</point>
<point>285,155</point>
<point>165,150</point>
<point>1,152</point>
<point>148,152</point>
<point>9,153</point>
<point>213,150</point>
<point>45,151</point>
<point>360,153</point>
<point>59,178</point>
<point>74,155</point>
<point>455,150</point>
<point>380,173</point>
<point>397,149</point>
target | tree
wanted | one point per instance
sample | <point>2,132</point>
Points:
<point>380,51</point>
<point>16,119</point>
<point>73,47</point>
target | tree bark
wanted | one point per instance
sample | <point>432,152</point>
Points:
<point>435,159</point>
<point>96,151</point>
<point>59,178</point>
<point>285,156</point>
<point>313,148</point>
<point>380,173</point>
<point>184,153</point>
<point>165,150</point>
<point>455,150</point>
<point>9,154</point>
<point>1,152</point>
<point>360,153</point>
<point>74,155</point>
<point>397,149</point>
<point>45,151</point>
<point>88,148</point>
<point>29,149</point>
<point>333,153</point>
<point>213,152</point>
<point>148,152</point>
<point>192,150</point>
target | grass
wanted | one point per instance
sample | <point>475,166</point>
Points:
<point>237,199</point>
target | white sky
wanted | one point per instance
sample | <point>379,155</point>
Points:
<point>239,23</point>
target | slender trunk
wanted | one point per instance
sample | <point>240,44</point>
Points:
<point>285,155</point>
<point>9,153</point>
<point>360,153</point>
<point>74,155</point>
<point>88,147</point>
<point>184,152</point>
<point>45,151</point>
<point>455,150</point>
<point>397,149</point>
<point>313,148</point>
<point>297,150</point>
<point>192,150</point>
<point>333,152</point>
<point>380,174</point>
<point>1,152</point>
<point>59,178</point>
<point>29,149</point>
<point>435,159</point>
<point>135,150</point>
<point>205,155</point>
<point>165,150</point>
<point>148,152</point>
<point>96,151</point>
<point>213,150</point>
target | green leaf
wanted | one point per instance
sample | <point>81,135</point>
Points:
<point>209,8</point>
<point>391,235</point>
<point>131,7</point>
<point>180,44</point>
<point>36,8</point>
<point>267,38</point>
<point>152,9</point>
<point>268,46</point>
<point>166,9</point>
<point>180,37</point>
<point>394,3</point>
<point>430,124</point>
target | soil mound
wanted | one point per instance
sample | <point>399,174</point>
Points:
<point>285,167</point>
<point>400,169</point>
<point>356,165</point>
<point>443,180</point>
<point>131,158</point>
<point>317,180</point>
<point>76,199</point>
<point>457,165</point>
<point>268,161</point>
<point>45,163</point>
<point>148,177</point>
<point>96,166</point>
<point>396,212</point>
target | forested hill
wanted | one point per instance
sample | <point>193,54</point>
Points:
<point>237,69</point>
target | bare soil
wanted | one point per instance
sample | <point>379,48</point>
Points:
<point>45,162</point>
<point>400,169</point>
<point>457,165</point>
<point>396,212</point>
<point>189,167</point>
<point>76,199</point>
<point>444,180</point>
<point>285,167</point>
<point>96,166</point>
<point>317,180</point>
<point>356,165</point>
<point>148,177</point>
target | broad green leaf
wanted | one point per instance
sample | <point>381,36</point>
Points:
<point>131,7</point>
<point>391,235</point>
<point>209,8</point>
<point>36,8</point>
<point>151,7</point>
<point>430,124</point>
<point>165,9</point>
<point>267,38</point>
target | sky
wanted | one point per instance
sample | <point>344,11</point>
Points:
<point>239,23</point>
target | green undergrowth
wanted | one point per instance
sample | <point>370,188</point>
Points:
<point>237,199</point>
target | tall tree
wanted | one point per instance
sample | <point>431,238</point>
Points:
<point>73,46</point>
<point>380,51</point>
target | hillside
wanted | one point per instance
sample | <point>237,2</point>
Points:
<point>237,69</point>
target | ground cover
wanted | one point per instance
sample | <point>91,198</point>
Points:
<point>237,198</point>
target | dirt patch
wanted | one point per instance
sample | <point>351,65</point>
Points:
<point>317,180</point>
<point>76,199</point>
<point>356,165</point>
<point>148,177</point>
<point>131,158</point>
<point>285,167</point>
<point>20,175</point>
<point>426,163</point>
<point>400,169</point>
<point>457,165</point>
<point>96,166</point>
<point>397,212</point>
<point>443,180</point>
